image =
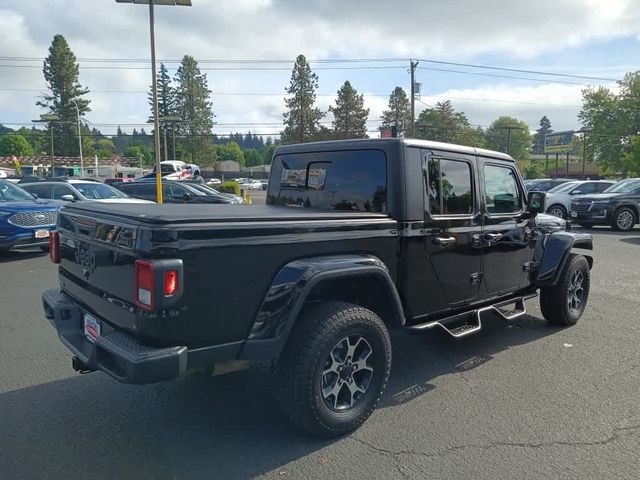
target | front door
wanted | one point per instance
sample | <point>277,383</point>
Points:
<point>506,235</point>
<point>452,220</point>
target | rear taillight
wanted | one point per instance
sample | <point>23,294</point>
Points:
<point>170,282</point>
<point>145,285</point>
<point>158,283</point>
<point>54,247</point>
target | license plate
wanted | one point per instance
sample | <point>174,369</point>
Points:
<point>574,214</point>
<point>91,327</point>
<point>41,234</point>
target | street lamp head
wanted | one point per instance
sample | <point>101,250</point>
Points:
<point>179,3</point>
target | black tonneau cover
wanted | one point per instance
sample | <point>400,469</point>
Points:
<point>172,213</point>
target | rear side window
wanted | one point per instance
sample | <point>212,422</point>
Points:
<point>353,180</point>
<point>501,190</point>
<point>42,191</point>
<point>449,187</point>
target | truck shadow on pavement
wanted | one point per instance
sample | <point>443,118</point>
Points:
<point>6,257</point>
<point>224,427</point>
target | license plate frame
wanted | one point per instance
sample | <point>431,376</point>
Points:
<point>91,327</point>
<point>41,233</point>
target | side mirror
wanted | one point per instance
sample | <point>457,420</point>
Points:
<point>535,202</point>
<point>186,196</point>
<point>68,198</point>
<point>575,192</point>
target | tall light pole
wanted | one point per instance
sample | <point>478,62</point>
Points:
<point>79,139</point>
<point>154,82</point>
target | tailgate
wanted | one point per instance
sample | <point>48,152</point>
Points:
<point>97,265</point>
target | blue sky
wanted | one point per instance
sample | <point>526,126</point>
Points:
<point>580,37</point>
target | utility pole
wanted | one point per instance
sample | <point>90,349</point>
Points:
<point>508,128</point>
<point>412,70</point>
<point>584,132</point>
<point>79,139</point>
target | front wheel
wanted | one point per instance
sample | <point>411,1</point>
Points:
<point>624,219</point>
<point>557,210</point>
<point>564,303</point>
<point>334,368</point>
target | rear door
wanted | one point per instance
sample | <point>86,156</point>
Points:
<point>506,235</point>
<point>452,221</point>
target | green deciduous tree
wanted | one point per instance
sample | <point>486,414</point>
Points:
<point>302,117</point>
<point>15,144</point>
<point>252,158</point>
<point>541,132</point>
<point>229,151</point>
<point>61,74</point>
<point>443,124</point>
<point>613,119</point>
<point>517,143</point>
<point>398,113</point>
<point>349,114</point>
<point>194,107</point>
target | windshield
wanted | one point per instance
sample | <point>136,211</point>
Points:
<point>12,193</point>
<point>625,186</point>
<point>564,187</point>
<point>98,191</point>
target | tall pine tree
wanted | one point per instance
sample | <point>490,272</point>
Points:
<point>302,118</point>
<point>398,114</point>
<point>538,137</point>
<point>61,74</point>
<point>349,114</point>
<point>194,107</point>
<point>166,106</point>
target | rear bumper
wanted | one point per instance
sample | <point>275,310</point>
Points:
<point>115,352</point>
<point>21,241</point>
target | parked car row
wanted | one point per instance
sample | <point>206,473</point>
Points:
<point>174,191</point>
<point>592,202</point>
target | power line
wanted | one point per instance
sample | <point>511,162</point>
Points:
<point>323,61</point>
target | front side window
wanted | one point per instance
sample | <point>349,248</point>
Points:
<point>43,191</point>
<point>501,190</point>
<point>353,180</point>
<point>449,187</point>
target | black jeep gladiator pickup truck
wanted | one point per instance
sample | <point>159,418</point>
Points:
<point>358,237</point>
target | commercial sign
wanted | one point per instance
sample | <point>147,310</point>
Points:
<point>558,142</point>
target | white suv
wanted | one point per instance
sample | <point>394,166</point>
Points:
<point>558,201</point>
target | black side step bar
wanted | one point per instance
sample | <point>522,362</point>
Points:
<point>467,323</point>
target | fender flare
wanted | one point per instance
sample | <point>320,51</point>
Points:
<point>292,286</point>
<point>557,247</point>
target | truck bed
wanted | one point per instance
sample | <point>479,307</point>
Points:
<point>231,254</point>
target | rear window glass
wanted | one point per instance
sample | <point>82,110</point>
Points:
<point>353,180</point>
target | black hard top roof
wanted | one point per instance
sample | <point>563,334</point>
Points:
<point>385,143</point>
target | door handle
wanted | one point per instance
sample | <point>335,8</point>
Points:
<point>492,237</point>
<point>444,241</point>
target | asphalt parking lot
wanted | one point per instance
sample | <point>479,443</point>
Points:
<point>522,400</point>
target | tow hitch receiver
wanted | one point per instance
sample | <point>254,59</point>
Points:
<point>79,366</point>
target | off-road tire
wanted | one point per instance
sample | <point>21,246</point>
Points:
<point>618,224</point>
<point>300,369</point>
<point>554,300</point>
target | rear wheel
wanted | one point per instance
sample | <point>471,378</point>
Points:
<point>564,303</point>
<point>557,210</point>
<point>334,368</point>
<point>624,219</point>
